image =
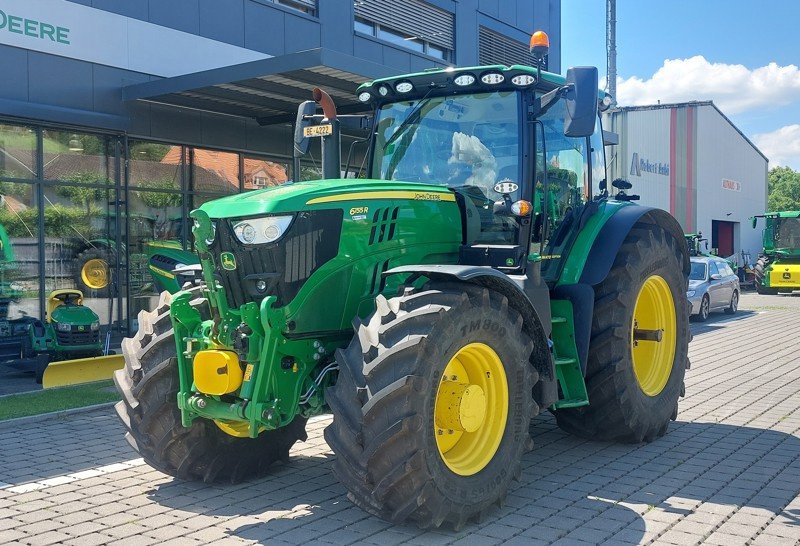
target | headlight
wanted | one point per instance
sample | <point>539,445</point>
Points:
<point>95,326</point>
<point>256,231</point>
<point>690,293</point>
<point>63,327</point>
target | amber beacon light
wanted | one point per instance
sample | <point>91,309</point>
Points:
<point>540,44</point>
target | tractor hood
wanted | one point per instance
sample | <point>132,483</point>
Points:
<point>323,193</point>
<point>74,314</point>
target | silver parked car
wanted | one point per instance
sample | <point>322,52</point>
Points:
<point>713,286</point>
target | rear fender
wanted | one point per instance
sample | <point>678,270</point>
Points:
<point>608,242</point>
<point>541,358</point>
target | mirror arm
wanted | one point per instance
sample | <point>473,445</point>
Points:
<point>549,99</point>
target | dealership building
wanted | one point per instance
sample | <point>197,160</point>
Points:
<point>117,117</point>
<point>692,161</point>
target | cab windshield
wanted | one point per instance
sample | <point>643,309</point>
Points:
<point>468,143</point>
<point>787,233</point>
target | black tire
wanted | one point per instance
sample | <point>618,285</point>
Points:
<point>759,272</point>
<point>148,385</point>
<point>734,306</point>
<point>81,260</point>
<point>383,404</point>
<point>705,309</point>
<point>618,408</point>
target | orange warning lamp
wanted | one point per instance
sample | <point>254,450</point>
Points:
<point>540,44</point>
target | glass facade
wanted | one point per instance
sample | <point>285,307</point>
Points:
<point>105,215</point>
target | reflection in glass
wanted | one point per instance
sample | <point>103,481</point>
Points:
<point>81,245</point>
<point>261,173</point>
<point>214,171</point>
<point>78,157</point>
<point>17,151</point>
<point>19,251</point>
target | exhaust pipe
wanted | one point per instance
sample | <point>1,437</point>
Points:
<point>331,144</point>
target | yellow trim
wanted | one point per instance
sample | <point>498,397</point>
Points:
<point>53,302</point>
<point>776,279</point>
<point>653,360</point>
<point>237,429</point>
<point>94,273</point>
<point>471,409</point>
<point>161,271</point>
<point>164,244</point>
<point>395,194</point>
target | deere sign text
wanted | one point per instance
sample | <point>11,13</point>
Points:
<point>33,28</point>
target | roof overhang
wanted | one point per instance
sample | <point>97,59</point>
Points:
<point>268,90</point>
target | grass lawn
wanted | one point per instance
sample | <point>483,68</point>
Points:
<point>45,401</point>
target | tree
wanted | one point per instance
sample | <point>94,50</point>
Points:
<point>783,189</point>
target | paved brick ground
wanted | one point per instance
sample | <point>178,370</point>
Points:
<point>727,473</point>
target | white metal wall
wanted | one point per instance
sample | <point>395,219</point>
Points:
<point>724,154</point>
<point>700,148</point>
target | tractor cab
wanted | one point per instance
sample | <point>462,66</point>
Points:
<point>520,149</point>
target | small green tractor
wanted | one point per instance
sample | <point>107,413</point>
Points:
<point>472,307</point>
<point>778,267</point>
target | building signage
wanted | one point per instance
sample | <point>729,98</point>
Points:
<point>33,28</point>
<point>731,185</point>
<point>68,29</point>
<point>640,164</point>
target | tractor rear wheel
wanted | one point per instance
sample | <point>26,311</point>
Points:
<point>638,351</point>
<point>432,405</point>
<point>759,272</point>
<point>148,385</point>
<point>93,276</point>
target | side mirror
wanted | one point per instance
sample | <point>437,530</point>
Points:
<point>302,142</point>
<point>581,99</point>
<point>754,221</point>
<point>716,277</point>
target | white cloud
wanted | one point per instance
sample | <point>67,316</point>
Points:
<point>733,87</point>
<point>782,147</point>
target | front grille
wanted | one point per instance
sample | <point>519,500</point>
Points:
<point>76,337</point>
<point>311,240</point>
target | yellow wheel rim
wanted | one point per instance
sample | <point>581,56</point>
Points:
<point>94,273</point>
<point>653,335</point>
<point>471,409</point>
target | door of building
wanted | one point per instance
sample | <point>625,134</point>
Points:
<point>722,237</point>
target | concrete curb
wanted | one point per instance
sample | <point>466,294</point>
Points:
<point>16,422</point>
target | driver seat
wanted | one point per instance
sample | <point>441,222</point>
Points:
<point>57,298</point>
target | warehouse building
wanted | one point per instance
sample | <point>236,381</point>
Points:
<point>119,117</point>
<point>692,161</point>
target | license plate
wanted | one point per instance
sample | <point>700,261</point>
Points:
<point>317,130</point>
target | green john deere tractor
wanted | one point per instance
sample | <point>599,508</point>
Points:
<point>473,307</point>
<point>778,267</point>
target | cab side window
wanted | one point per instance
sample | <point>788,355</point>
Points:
<point>712,269</point>
<point>562,166</point>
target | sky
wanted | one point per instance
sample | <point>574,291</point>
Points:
<point>742,54</point>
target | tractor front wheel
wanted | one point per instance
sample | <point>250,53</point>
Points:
<point>208,451</point>
<point>432,405</point>
<point>759,274</point>
<point>638,351</point>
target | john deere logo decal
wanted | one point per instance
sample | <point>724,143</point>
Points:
<point>228,261</point>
